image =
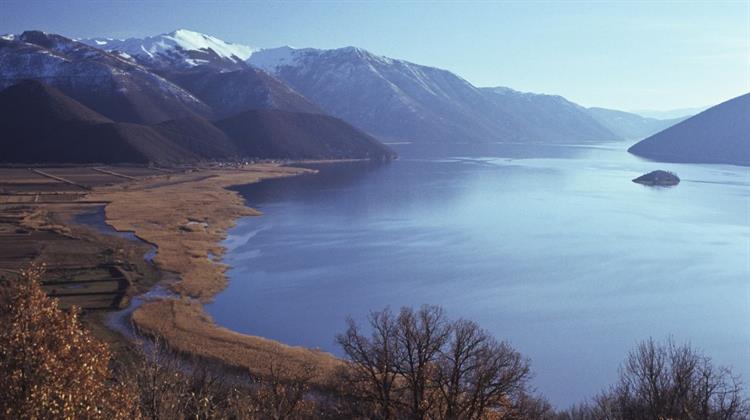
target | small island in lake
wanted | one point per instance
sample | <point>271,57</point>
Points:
<point>658,178</point>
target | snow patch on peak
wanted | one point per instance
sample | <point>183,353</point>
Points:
<point>176,44</point>
<point>191,40</point>
<point>270,59</point>
<point>8,37</point>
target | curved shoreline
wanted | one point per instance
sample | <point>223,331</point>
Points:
<point>186,216</point>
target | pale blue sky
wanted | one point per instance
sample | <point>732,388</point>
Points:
<point>625,55</point>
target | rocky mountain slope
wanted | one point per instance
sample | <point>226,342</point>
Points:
<point>390,99</point>
<point>231,92</point>
<point>209,68</point>
<point>115,87</point>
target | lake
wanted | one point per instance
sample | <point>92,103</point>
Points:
<point>551,248</point>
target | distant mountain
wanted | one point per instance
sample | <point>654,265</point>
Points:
<point>720,134</point>
<point>669,114</point>
<point>177,83</point>
<point>394,100</point>
<point>230,92</point>
<point>390,99</point>
<point>40,124</point>
<point>113,86</point>
<point>628,125</point>
<point>398,100</point>
<point>178,49</point>
<point>295,135</point>
<point>547,117</point>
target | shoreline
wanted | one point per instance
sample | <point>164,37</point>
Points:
<point>187,216</point>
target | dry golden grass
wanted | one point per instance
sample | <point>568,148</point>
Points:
<point>185,327</point>
<point>171,212</point>
<point>186,216</point>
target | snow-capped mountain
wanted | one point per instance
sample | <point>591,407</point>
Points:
<point>85,104</point>
<point>389,98</point>
<point>178,49</point>
<point>185,73</point>
<point>398,100</point>
<point>107,83</point>
<point>213,70</point>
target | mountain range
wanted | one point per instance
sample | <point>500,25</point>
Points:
<point>392,99</point>
<point>184,76</point>
<point>401,101</point>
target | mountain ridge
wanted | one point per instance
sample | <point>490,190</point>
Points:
<point>182,48</point>
<point>392,99</point>
<point>163,79</point>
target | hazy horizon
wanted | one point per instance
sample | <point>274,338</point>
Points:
<point>628,56</point>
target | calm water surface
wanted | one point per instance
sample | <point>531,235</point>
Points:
<point>551,248</point>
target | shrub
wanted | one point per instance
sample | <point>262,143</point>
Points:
<point>668,381</point>
<point>50,367</point>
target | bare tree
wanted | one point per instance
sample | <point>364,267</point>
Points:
<point>532,407</point>
<point>476,374</point>
<point>283,394</point>
<point>372,374</point>
<point>171,386</point>
<point>669,381</point>
<point>424,366</point>
<point>421,336</point>
<point>600,408</point>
